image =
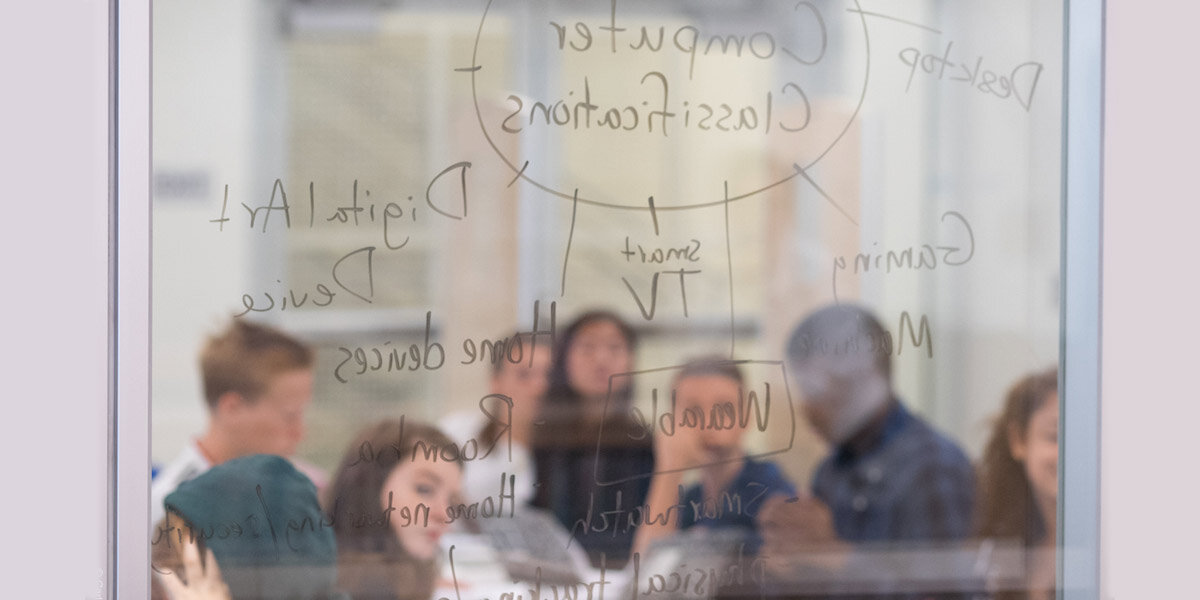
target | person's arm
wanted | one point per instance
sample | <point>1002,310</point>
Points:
<point>673,454</point>
<point>661,516</point>
<point>799,531</point>
<point>800,537</point>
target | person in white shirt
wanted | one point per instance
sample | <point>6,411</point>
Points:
<point>502,425</point>
<point>258,383</point>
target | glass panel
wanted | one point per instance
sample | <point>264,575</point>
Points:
<point>705,298</point>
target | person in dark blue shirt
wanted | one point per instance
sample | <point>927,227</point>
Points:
<point>707,437</point>
<point>890,481</point>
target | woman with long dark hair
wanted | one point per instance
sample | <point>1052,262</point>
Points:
<point>591,457</point>
<point>594,348</point>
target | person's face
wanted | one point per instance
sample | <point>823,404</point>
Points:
<point>524,383</point>
<point>1037,450</point>
<point>820,399</point>
<point>597,352</point>
<point>434,483</point>
<point>840,395</point>
<point>712,396</point>
<point>273,423</point>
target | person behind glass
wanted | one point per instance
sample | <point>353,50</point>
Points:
<point>890,476</point>
<point>390,502</point>
<point>258,383</point>
<point>1018,480</point>
<point>709,388</point>
<point>591,457</point>
<point>502,425</point>
<point>258,524</point>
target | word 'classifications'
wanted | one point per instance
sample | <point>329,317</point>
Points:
<point>657,111</point>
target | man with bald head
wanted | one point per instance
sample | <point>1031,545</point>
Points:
<point>890,477</point>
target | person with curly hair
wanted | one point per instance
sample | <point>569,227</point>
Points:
<point>1018,480</point>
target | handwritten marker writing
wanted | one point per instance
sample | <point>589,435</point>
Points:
<point>653,217</point>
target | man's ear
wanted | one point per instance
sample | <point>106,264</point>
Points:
<point>229,404</point>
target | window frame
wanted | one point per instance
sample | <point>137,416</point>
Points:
<point>130,307</point>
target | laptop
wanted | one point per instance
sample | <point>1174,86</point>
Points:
<point>532,545</point>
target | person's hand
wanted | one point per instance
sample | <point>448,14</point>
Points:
<point>798,530</point>
<point>203,584</point>
<point>680,450</point>
<point>673,454</point>
<point>803,520</point>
